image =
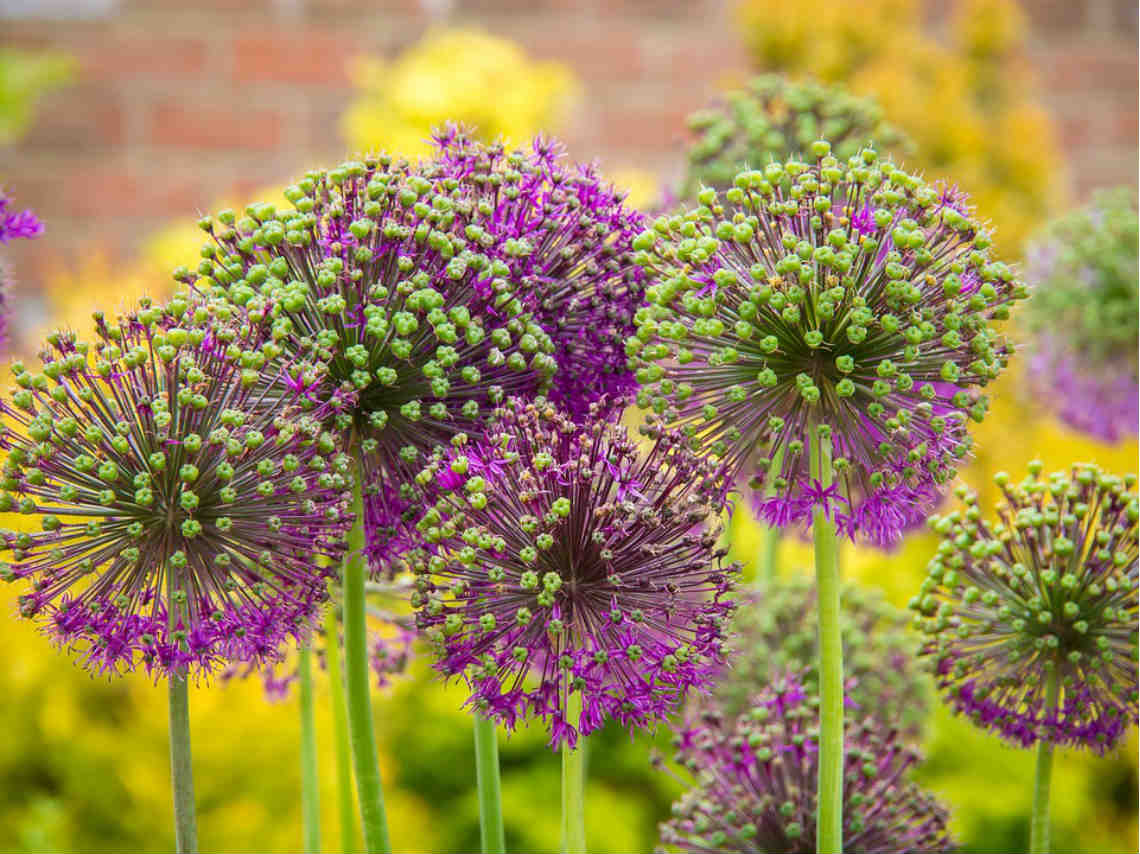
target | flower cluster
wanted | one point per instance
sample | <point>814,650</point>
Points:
<point>1032,619</point>
<point>776,627</point>
<point>1085,316</point>
<point>848,306</point>
<point>184,513</point>
<point>14,225</point>
<point>754,783</point>
<point>565,566</point>
<point>774,118</point>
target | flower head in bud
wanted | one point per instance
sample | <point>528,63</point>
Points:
<point>582,567</point>
<point>753,782</point>
<point>1031,620</point>
<point>776,632</point>
<point>841,310</point>
<point>183,517</point>
<point>774,118</point>
<point>1085,316</point>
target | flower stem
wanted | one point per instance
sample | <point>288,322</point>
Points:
<point>1039,824</point>
<point>487,781</point>
<point>829,816</point>
<point>369,790</point>
<point>310,791</point>
<point>346,809</point>
<point>181,766</point>
<point>573,784</point>
<point>768,568</point>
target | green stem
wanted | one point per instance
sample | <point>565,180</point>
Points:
<point>829,817</point>
<point>369,789</point>
<point>310,789</point>
<point>574,784</point>
<point>769,568</point>
<point>1039,824</point>
<point>181,766</point>
<point>346,809</point>
<point>487,780</point>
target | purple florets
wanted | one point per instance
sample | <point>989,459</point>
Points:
<point>184,514</point>
<point>1032,620</point>
<point>15,224</point>
<point>847,308</point>
<point>574,568</point>
<point>754,782</point>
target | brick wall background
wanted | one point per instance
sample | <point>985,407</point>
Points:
<point>179,102</point>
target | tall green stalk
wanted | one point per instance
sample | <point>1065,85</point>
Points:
<point>491,834</point>
<point>346,809</point>
<point>310,788</point>
<point>768,568</point>
<point>1039,824</point>
<point>574,784</point>
<point>181,766</point>
<point>369,790</point>
<point>829,814</point>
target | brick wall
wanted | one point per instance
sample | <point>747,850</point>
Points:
<point>179,102</point>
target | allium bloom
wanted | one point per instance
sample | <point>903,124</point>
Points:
<point>1085,316</point>
<point>754,783</point>
<point>774,118</point>
<point>777,626</point>
<point>13,225</point>
<point>1048,592</point>
<point>843,303</point>
<point>563,561</point>
<point>183,514</point>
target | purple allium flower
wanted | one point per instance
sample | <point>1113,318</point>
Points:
<point>1049,591</point>
<point>1085,316</point>
<point>17,224</point>
<point>776,627</point>
<point>774,320</point>
<point>575,565</point>
<point>184,515</point>
<point>754,782</point>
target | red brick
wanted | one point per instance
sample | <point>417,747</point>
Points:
<point>1122,125</point>
<point>142,55</point>
<point>105,190</point>
<point>1089,67</point>
<point>77,118</point>
<point>308,58</point>
<point>1054,17</point>
<point>599,55</point>
<point>182,124</point>
<point>654,124</point>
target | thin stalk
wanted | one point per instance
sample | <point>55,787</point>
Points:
<point>310,789</point>
<point>346,809</point>
<point>768,568</point>
<point>1039,824</point>
<point>829,815</point>
<point>369,790</point>
<point>487,780</point>
<point>181,766</point>
<point>574,784</point>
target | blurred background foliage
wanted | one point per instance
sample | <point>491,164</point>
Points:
<point>24,76</point>
<point>84,760</point>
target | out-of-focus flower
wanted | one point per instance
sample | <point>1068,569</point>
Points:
<point>1085,316</point>
<point>460,75</point>
<point>1046,596</point>
<point>754,782</point>
<point>181,514</point>
<point>775,118</point>
<point>843,304</point>
<point>564,562</point>
<point>776,627</point>
<point>15,224</point>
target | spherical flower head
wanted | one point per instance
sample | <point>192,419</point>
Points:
<point>754,781</point>
<point>15,224</point>
<point>184,516</point>
<point>391,296</point>
<point>1046,594</point>
<point>1084,317</point>
<point>776,627</point>
<point>574,248</point>
<point>569,563</point>
<point>847,308</point>
<point>774,118</point>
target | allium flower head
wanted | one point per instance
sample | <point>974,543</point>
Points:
<point>1085,316</point>
<point>848,303</point>
<point>182,514</point>
<point>564,561</point>
<point>1048,591</point>
<point>774,118</point>
<point>754,783</point>
<point>776,627</point>
<point>14,225</point>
